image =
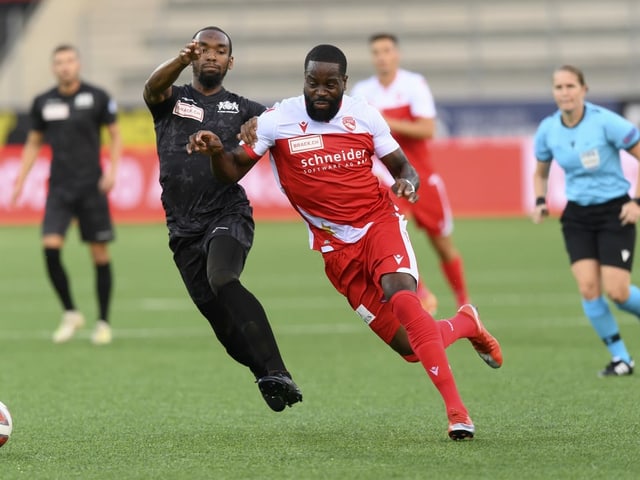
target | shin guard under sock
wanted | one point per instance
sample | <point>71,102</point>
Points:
<point>605,325</point>
<point>251,320</point>
<point>58,277</point>
<point>230,337</point>
<point>104,284</point>
<point>426,342</point>
<point>631,304</point>
<point>459,326</point>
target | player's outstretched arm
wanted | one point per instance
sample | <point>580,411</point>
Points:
<point>407,180</point>
<point>157,88</point>
<point>230,166</point>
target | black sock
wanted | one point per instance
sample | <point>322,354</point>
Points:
<point>251,319</point>
<point>58,277</point>
<point>103,287</point>
<point>230,337</point>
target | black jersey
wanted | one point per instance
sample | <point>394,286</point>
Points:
<point>71,125</point>
<point>191,195</point>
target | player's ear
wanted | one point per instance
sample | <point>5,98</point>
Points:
<point>230,64</point>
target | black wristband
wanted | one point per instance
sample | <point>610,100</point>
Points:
<point>637,200</point>
<point>541,201</point>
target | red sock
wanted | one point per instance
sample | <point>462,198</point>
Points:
<point>424,336</point>
<point>460,326</point>
<point>454,272</point>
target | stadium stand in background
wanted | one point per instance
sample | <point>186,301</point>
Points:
<point>469,50</point>
<point>13,16</point>
<point>489,65</point>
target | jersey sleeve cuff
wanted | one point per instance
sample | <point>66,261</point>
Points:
<point>251,152</point>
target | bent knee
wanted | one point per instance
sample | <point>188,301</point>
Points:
<point>618,295</point>
<point>411,358</point>
<point>219,278</point>
<point>400,344</point>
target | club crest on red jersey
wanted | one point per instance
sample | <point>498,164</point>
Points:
<point>349,123</point>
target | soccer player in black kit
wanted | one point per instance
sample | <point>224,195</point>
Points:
<point>210,223</point>
<point>69,117</point>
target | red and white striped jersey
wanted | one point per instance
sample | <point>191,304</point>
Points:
<point>325,168</point>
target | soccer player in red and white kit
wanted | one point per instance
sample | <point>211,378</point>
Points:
<point>321,146</point>
<point>406,103</point>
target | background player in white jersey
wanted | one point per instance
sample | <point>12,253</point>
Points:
<point>210,222</point>
<point>599,220</point>
<point>69,117</point>
<point>406,103</point>
<point>321,145</point>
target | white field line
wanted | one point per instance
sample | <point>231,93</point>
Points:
<point>319,302</point>
<point>189,332</point>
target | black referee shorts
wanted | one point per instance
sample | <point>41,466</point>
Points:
<point>595,232</point>
<point>190,253</point>
<point>90,207</point>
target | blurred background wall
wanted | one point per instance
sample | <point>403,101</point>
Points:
<point>471,51</point>
<point>468,49</point>
<point>488,62</point>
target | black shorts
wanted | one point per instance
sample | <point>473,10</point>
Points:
<point>595,232</point>
<point>90,207</point>
<point>190,253</point>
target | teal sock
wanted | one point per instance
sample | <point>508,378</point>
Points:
<point>603,322</point>
<point>632,304</point>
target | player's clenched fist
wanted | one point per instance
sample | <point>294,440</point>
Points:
<point>204,141</point>
<point>190,52</point>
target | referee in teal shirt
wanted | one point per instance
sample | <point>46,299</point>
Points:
<point>599,220</point>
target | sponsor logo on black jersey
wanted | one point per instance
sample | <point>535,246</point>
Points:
<point>188,110</point>
<point>228,107</point>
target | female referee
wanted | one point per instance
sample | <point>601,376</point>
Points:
<point>599,220</point>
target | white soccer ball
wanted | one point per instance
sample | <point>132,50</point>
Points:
<point>6,424</point>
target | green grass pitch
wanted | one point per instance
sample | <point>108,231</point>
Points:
<point>164,400</point>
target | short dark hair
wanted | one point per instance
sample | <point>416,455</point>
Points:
<point>329,54</point>
<point>383,36</point>
<point>217,29</point>
<point>64,47</point>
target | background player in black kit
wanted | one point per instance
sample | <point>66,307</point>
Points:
<point>69,117</point>
<point>210,223</point>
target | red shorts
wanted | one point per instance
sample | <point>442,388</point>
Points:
<point>356,269</point>
<point>432,211</point>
